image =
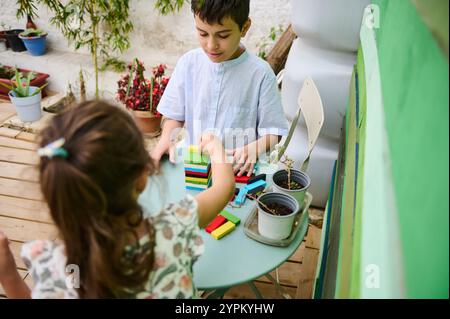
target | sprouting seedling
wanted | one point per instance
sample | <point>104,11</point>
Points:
<point>289,163</point>
<point>272,211</point>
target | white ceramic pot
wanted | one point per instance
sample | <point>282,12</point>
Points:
<point>276,227</point>
<point>28,108</point>
<point>297,176</point>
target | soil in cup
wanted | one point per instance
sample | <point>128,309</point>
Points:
<point>279,209</point>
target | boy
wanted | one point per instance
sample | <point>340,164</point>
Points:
<point>221,87</point>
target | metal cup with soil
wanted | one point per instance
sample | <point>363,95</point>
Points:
<point>276,213</point>
<point>291,182</point>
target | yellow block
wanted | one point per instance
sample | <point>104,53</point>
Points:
<point>223,230</point>
<point>193,149</point>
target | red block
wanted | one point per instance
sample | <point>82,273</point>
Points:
<point>216,223</point>
<point>242,179</point>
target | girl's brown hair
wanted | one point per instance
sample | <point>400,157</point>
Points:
<point>92,199</point>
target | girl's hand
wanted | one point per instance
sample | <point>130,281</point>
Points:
<point>244,159</point>
<point>213,146</point>
<point>7,263</point>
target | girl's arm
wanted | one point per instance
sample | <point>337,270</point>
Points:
<point>10,278</point>
<point>213,200</point>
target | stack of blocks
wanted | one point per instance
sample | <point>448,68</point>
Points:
<point>222,225</point>
<point>197,169</point>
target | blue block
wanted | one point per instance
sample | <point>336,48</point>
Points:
<point>256,184</point>
<point>240,198</point>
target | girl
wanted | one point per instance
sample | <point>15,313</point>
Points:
<point>93,167</point>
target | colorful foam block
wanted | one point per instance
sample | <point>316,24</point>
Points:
<point>230,217</point>
<point>196,158</point>
<point>223,230</point>
<point>240,198</point>
<point>242,179</point>
<point>257,178</point>
<point>216,223</point>
<point>256,190</point>
<point>257,184</point>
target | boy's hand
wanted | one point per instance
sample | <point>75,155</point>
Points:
<point>7,263</point>
<point>160,150</point>
<point>244,159</point>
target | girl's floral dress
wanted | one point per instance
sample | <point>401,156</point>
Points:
<point>178,245</point>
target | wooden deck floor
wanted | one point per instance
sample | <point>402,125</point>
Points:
<point>24,216</point>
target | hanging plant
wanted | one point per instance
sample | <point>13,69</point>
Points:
<point>103,26</point>
<point>169,6</point>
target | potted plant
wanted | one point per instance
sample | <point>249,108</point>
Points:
<point>7,76</point>
<point>141,96</point>
<point>291,181</point>
<point>276,214</point>
<point>16,44</point>
<point>25,98</point>
<point>34,40</point>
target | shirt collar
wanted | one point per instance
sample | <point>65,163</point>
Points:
<point>230,63</point>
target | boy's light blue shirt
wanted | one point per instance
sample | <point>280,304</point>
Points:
<point>238,99</point>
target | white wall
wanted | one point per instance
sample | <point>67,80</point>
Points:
<point>158,39</point>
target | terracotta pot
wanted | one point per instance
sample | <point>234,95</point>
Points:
<point>147,122</point>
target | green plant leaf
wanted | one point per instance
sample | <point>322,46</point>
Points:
<point>20,90</point>
<point>28,83</point>
<point>39,89</point>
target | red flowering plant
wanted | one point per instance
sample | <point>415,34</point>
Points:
<point>140,94</point>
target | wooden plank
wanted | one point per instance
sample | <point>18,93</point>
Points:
<point>7,132</point>
<point>298,255</point>
<point>31,137</point>
<point>6,111</point>
<point>313,237</point>
<point>24,209</point>
<point>307,274</point>
<point>18,156</point>
<point>268,291</point>
<point>288,274</point>
<point>21,189</point>
<point>19,171</point>
<point>16,143</point>
<point>14,122</point>
<point>25,230</point>
<point>278,55</point>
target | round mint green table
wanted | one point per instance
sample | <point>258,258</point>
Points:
<point>234,259</point>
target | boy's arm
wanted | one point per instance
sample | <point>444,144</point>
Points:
<point>244,158</point>
<point>10,278</point>
<point>165,144</point>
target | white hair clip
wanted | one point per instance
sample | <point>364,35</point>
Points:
<point>54,149</point>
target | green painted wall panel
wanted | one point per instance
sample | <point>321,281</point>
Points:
<point>415,82</point>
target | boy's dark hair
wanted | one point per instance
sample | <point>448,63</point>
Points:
<point>213,11</point>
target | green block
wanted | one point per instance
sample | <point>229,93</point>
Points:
<point>196,158</point>
<point>230,217</point>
